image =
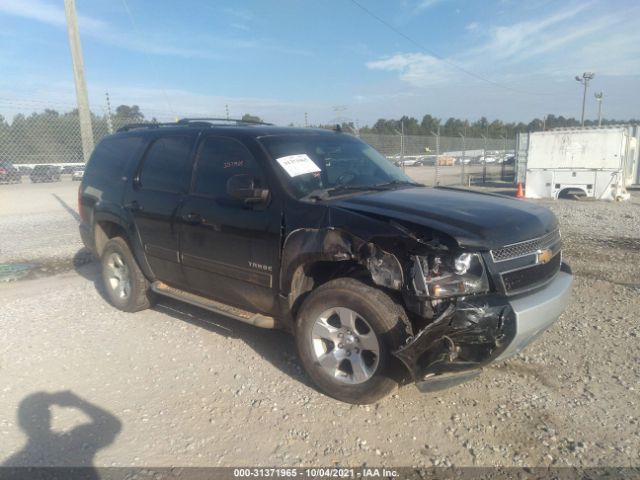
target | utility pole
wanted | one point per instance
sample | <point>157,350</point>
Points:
<point>306,120</point>
<point>584,80</point>
<point>462,160</point>
<point>484,160</point>
<point>599,96</point>
<point>84,114</point>
<point>226,109</point>
<point>402,141</point>
<point>109,119</point>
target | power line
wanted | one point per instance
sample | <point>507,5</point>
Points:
<point>438,56</point>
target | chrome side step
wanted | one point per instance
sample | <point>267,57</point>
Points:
<point>255,319</point>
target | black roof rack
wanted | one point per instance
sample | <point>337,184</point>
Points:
<point>133,126</point>
<point>237,121</point>
<point>192,122</point>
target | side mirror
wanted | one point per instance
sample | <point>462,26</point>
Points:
<point>243,187</point>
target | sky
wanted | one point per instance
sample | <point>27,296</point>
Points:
<point>333,60</point>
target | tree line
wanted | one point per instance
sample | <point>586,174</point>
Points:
<point>453,127</point>
<point>51,136</point>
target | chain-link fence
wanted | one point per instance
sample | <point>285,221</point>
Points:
<point>47,147</point>
<point>439,160</point>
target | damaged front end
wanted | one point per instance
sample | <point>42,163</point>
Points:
<point>468,334</point>
<point>456,324</point>
<point>465,327</point>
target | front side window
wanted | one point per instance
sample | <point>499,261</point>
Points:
<point>220,158</point>
<point>326,165</point>
<point>166,166</point>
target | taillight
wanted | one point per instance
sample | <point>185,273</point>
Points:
<point>2,171</point>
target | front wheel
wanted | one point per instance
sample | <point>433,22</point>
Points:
<point>345,334</point>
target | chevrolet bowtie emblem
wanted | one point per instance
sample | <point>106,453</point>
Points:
<point>544,256</point>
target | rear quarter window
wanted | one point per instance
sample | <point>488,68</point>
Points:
<point>111,160</point>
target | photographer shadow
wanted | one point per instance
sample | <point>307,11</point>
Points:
<point>73,448</point>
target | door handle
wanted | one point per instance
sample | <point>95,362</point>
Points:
<point>193,218</point>
<point>134,206</point>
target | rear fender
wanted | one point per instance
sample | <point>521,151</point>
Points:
<point>120,217</point>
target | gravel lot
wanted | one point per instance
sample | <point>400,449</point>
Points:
<point>181,386</point>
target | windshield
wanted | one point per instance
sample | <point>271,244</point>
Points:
<point>323,164</point>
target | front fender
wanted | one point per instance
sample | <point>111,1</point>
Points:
<point>310,245</point>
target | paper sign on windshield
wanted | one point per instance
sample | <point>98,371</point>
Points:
<point>296,165</point>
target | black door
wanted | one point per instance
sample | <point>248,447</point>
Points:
<point>154,202</point>
<point>229,248</point>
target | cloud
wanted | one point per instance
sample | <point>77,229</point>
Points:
<point>507,41</point>
<point>165,104</point>
<point>570,38</point>
<point>423,5</point>
<point>44,13</point>
<point>150,43</point>
<point>417,69</point>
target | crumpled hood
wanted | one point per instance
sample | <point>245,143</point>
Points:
<point>474,220</point>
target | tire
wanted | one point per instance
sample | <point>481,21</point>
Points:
<point>348,311</point>
<point>124,283</point>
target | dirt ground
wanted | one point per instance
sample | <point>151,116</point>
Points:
<point>176,385</point>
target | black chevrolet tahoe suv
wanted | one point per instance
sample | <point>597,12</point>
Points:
<point>380,279</point>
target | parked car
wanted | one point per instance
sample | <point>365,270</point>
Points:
<point>77,174</point>
<point>411,162</point>
<point>9,173</point>
<point>45,173</point>
<point>313,231</point>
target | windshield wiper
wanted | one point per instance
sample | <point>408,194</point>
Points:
<point>397,183</point>
<point>324,193</point>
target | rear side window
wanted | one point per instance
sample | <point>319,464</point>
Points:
<point>111,159</point>
<point>166,166</point>
<point>220,158</point>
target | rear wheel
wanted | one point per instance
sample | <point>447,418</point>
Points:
<point>124,282</point>
<point>345,334</point>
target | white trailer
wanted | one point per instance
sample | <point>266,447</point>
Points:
<point>595,162</point>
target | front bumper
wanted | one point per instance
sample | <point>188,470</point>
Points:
<point>536,312</point>
<point>476,331</point>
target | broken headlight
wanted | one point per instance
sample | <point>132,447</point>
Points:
<point>440,276</point>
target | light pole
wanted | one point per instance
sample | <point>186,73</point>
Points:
<point>464,148</point>
<point>484,160</point>
<point>599,96</point>
<point>401,133</point>
<point>584,80</point>
<point>436,180</point>
<point>504,156</point>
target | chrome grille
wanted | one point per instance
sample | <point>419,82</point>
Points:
<point>531,276</point>
<point>525,248</point>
